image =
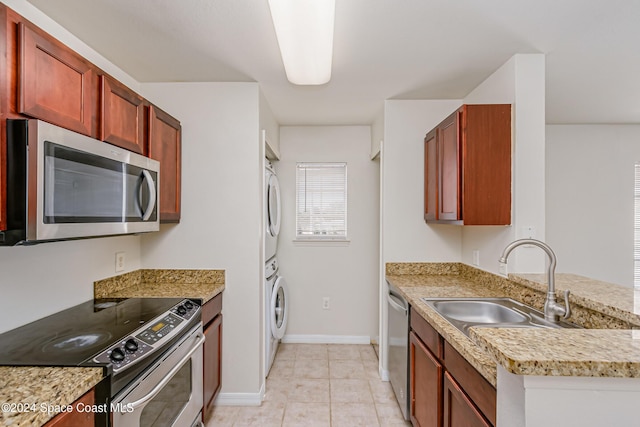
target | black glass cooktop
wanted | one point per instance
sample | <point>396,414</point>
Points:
<point>73,336</point>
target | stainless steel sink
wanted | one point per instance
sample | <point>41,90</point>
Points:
<point>463,313</point>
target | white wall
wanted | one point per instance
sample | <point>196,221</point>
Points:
<point>590,192</point>
<point>221,222</point>
<point>377,134</point>
<point>520,81</point>
<point>270,126</point>
<point>346,273</point>
<point>406,237</point>
<point>40,280</point>
<point>43,279</point>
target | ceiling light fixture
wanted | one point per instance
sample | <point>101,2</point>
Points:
<point>304,29</point>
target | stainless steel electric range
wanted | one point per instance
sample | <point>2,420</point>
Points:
<point>150,350</point>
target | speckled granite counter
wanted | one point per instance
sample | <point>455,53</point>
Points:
<point>202,284</point>
<point>564,352</point>
<point>42,387</point>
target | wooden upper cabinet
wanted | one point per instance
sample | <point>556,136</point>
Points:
<point>430,177</point>
<point>42,78</point>
<point>55,84</point>
<point>122,116</point>
<point>472,178</point>
<point>449,169</point>
<point>165,146</point>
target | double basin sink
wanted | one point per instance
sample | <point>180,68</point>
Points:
<point>464,313</point>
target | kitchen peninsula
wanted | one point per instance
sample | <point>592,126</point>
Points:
<point>531,368</point>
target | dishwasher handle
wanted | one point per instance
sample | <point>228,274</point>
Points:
<point>397,303</point>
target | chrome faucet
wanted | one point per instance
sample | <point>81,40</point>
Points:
<point>552,309</point>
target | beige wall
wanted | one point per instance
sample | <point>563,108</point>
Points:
<point>589,194</point>
<point>222,170</point>
<point>346,273</point>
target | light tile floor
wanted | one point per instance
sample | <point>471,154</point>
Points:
<point>319,385</point>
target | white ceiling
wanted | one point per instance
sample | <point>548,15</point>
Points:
<point>383,49</point>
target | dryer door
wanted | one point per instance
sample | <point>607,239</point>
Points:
<point>279,308</point>
<point>273,205</point>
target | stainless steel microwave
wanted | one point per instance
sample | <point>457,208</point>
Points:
<point>63,185</point>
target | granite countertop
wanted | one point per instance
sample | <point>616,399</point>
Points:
<point>414,287</point>
<point>524,351</point>
<point>201,284</point>
<point>29,395</point>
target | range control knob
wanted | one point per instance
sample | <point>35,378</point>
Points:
<point>131,345</point>
<point>182,310</point>
<point>189,305</point>
<point>117,355</point>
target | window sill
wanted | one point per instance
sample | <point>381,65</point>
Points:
<point>321,242</point>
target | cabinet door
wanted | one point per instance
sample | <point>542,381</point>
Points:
<point>486,144</point>
<point>425,373</point>
<point>122,116</point>
<point>449,169</point>
<point>76,418</point>
<point>56,84</point>
<point>165,146</point>
<point>212,363</point>
<point>459,411</point>
<point>430,177</point>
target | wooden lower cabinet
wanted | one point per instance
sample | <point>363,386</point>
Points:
<point>76,418</point>
<point>459,410</point>
<point>446,390</point>
<point>212,319</point>
<point>426,385</point>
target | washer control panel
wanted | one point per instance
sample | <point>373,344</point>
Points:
<point>149,338</point>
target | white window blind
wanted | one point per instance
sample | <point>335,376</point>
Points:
<point>321,201</point>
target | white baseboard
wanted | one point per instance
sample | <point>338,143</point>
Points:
<point>326,339</point>
<point>241,399</point>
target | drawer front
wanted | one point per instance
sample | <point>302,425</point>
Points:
<point>427,333</point>
<point>211,309</point>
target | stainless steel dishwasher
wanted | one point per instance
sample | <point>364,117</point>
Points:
<point>398,347</point>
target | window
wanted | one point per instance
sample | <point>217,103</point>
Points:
<point>321,201</point>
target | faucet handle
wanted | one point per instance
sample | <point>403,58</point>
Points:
<point>567,309</point>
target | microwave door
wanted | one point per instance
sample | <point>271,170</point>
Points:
<point>81,187</point>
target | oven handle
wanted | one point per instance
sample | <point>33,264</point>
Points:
<point>131,406</point>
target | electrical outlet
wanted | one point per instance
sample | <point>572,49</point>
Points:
<point>120,260</point>
<point>325,303</point>
<point>476,258</point>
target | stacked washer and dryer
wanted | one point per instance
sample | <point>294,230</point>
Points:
<point>276,294</point>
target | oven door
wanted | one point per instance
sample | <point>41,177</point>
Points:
<point>169,393</point>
